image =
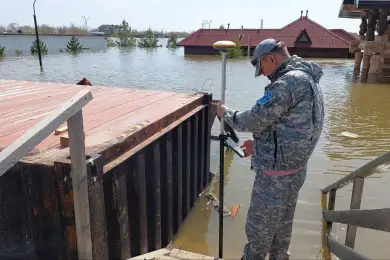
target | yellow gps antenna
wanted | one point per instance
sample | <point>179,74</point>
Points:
<point>222,46</point>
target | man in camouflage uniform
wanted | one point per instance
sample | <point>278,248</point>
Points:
<point>286,124</point>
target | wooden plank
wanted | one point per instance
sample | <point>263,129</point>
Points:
<point>152,175</point>
<point>80,185</point>
<point>378,219</point>
<point>201,151</point>
<point>123,212</point>
<point>141,182</point>
<point>152,255</point>
<point>165,257</point>
<point>166,189</point>
<point>157,192</point>
<point>62,170</point>
<point>20,148</point>
<point>180,254</point>
<point>150,140</point>
<point>40,199</point>
<point>61,130</point>
<point>363,172</point>
<point>211,114</point>
<point>160,115</point>
<point>187,168</point>
<point>356,199</point>
<point>344,252</point>
<point>194,168</point>
<point>331,205</point>
<point>178,173</point>
<point>325,249</point>
<point>64,140</point>
<point>97,207</point>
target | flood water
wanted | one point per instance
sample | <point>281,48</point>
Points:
<point>361,109</point>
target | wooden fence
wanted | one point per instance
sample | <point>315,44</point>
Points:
<point>377,219</point>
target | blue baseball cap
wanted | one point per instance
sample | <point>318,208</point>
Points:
<point>263,48</point>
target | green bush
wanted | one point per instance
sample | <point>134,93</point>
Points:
<point>126,36</point>
<point>172,41</point>
<point>2,51</point>
<point>74,46</point>
<point>150,40</point>
<point>236,52</point>
<point>34,48</point>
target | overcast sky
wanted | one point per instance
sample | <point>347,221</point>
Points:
<point>181,15</point>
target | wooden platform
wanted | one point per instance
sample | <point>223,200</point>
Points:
<point>174,254</point>
<point>112,115</point>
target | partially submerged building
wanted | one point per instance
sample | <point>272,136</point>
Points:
<point>372,49</point>
<point>303,37</point>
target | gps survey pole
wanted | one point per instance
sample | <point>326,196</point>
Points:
<point>222,46</point>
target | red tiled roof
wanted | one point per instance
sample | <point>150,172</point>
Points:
<point>320,37</point>
<point>345,35</point>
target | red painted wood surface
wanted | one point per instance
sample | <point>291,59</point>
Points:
<point>111,112</point>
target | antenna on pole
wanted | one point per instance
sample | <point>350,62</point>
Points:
<point>85,23</point>
<point>208,22</point>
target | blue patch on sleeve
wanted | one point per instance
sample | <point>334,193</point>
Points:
<point>265,99</point>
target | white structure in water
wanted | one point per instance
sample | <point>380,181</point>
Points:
<point>54,43</point>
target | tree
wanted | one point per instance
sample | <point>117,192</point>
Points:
<point>125,35</point>
<point>221,27</point>
<point>13,27</point>
<point>110,42</point>
<point>74,46</point>
<point>34,48</point>
<point>149,41</point>
<point>2,51</point>
<point>172,41</point>
<point>235,52</point>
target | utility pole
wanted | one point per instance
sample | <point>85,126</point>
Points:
<point>37,36</point>
<point>85,23</point>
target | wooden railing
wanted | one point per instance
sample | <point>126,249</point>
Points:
<point>377,219</point>
<point>70,112</point>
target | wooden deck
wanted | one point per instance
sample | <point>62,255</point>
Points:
<point>112,116</point>
<point>174,254</point>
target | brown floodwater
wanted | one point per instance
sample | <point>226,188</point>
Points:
<point>361,109</point>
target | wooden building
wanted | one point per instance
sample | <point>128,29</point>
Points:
<point>303,37</point>
<point>371,50</point>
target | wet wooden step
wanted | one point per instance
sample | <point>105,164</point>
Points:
<point>174,254</point>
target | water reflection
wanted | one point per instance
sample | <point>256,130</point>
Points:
<point>364,111</point>
<point>193,235</point>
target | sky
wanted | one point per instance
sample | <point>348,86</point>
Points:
<point>177,15</point>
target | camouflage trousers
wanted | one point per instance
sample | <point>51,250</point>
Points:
<point>270,215</point>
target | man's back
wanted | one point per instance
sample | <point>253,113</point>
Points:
<point>289,142</point>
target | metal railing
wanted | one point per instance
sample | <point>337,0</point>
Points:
<point>70,112</point>
<point>376,219</point>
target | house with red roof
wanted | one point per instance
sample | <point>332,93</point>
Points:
<point>303,37</point>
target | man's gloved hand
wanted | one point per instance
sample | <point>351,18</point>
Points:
<point>247,147</point>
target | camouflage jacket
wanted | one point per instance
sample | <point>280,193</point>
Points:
<point>287,121</point>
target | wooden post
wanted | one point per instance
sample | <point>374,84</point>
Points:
<point>365,66</point>
<point>325,250</point>
<point>80,185</point>
<point>356,199</point>
<point>358,61</point>
<point>331,205</point>
<point>372,19</point>
<point>249,47</point>
<point>374,69</point>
